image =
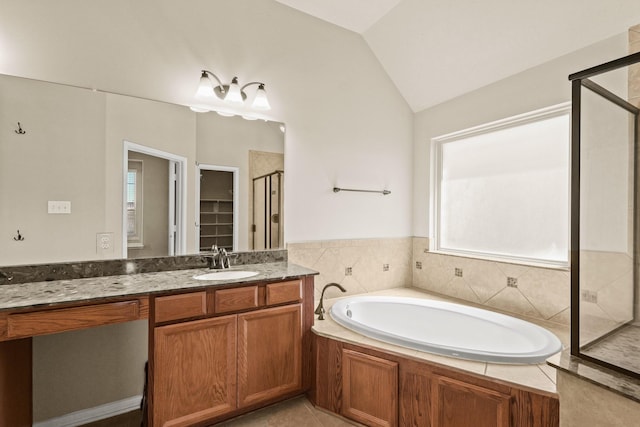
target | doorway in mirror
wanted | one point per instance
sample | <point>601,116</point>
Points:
<point>217,207</point>
<point>153,203</point>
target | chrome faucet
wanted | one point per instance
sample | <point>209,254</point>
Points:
<point>223,259</point>
<point>320,309</point>
<point>219,258</point>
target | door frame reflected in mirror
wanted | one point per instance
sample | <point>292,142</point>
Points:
<point>235,200</point>
<point>177,242</point>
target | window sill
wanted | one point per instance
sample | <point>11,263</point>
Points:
<point>505,260</point>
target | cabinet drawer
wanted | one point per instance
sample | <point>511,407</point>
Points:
<point>278,293</point>
<point>182,306</point>
<point>70,319</point>
<point>236,299</point>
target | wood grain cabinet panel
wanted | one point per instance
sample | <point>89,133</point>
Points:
<point>358,383</point>
<point>181,306</point>
<point>369,389</point>
<point>236,299</point>
<point>15,383</point>
<point>269,354</point>
<point>279,293</point>
<point>194,371</point>
<point>71,319</point>
<point>459,404</point>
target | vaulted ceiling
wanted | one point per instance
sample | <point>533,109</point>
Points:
<point>436,50</point>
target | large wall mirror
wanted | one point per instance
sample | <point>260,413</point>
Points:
<point>64,175</point>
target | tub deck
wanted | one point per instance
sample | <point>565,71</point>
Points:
<point>537,376</point>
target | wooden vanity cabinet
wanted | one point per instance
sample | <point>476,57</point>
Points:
<point>194,374</point>
<point>245,352</point>
<point>383,389</point>
<point>269,354</point>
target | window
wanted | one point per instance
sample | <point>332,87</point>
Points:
<point>501,190</point>
<point>134,204</point>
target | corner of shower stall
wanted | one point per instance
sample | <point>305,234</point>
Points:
<point>605,327</point>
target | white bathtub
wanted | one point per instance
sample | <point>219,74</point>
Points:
<point>446,328</point>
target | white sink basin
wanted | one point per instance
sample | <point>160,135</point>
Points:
<point>225,275</point>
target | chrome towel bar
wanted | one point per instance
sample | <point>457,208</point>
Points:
<point>383,192</point>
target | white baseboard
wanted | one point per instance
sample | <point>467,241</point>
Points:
<point>96,413</point>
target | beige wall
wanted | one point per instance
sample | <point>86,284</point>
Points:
<point>59,158</point>
<point>84,369</point>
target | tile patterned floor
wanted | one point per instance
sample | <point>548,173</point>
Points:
<point>296,412</point>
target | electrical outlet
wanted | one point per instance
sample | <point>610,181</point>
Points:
<point>58,207</point>
<point>104,244</point>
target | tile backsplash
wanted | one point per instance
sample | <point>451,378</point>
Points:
<point>362,265</point>
<point>530,291</point>
<point>359,266</point>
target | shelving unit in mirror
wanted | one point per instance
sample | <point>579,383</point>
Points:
<point>216,224</point>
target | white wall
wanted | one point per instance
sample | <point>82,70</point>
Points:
<point>538,87</point>
<point>346,122</point>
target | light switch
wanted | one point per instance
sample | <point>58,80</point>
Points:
<point>59,207</point>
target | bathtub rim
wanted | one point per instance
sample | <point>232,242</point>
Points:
<point>553,343</point>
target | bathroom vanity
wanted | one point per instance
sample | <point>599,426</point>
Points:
<point>217,349</point>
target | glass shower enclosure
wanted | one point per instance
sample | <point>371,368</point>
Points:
<point>604,215</point>
<point>267,230</point>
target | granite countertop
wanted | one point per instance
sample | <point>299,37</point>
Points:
<point>540,376</point>
<point>37,294</point>
<point>614,381</point>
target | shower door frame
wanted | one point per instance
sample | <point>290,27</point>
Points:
<point>279,174</point>
<point>578,81</point>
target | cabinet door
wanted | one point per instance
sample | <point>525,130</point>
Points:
<point>369,389</point>
<point>458,404</point>
<point>194,371</point>
<point>269,354</point>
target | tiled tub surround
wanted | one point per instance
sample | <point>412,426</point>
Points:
<point>363,265</point>
<point>536,292</point>
<point>540,376</point>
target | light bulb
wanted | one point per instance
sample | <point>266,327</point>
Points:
<point>205,90</point>
<point>234,95</point>
<point>260,102</point>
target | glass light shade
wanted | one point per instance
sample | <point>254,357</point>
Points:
<point>205,89</point>
<point>197,109</point>
<point>234,95</point>
<point>260,102</point>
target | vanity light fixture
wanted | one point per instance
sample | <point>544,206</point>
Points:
<point>232,93</point>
